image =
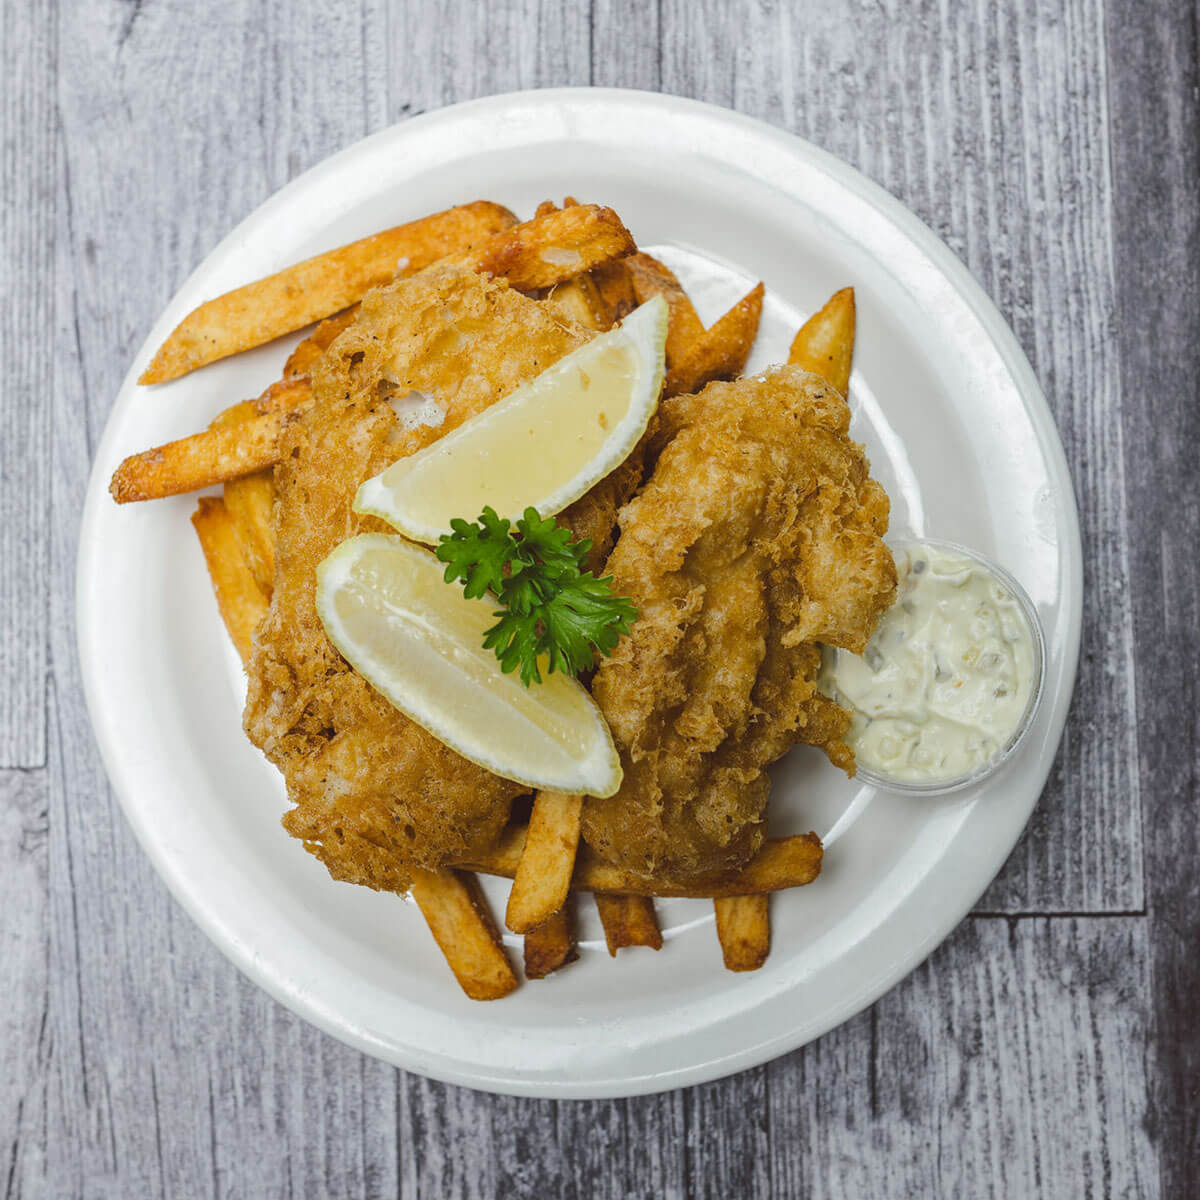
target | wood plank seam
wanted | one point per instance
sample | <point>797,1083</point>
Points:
<point>1155,149</point>
<point>1055,914</point>
<point>29,136</point>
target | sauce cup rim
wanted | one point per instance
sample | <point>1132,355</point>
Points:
<point>956,783</point>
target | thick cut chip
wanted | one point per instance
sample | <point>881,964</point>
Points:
<point>551,945</point>
<point>744,930</point>
<point>214,456</point>
<point>456,912</point>
<point>243,439</point>
<point>544,876</point>
<point>780,863</point>
<point>317,288</point>
<point>825,342</point>
<point>720,352</point>
<point>551,248</point>
<point>242,602</point>
<point>249,501</point>
<point>653,278</point>
<point>628,921</point>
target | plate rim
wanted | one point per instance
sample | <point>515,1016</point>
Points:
<point>1016,363</point>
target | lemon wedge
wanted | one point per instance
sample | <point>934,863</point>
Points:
<point>385,605</point>
<point>542,446</point>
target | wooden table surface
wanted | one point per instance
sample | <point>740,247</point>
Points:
<point>1050,1047</point>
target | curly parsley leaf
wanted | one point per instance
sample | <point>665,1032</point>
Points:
<point>477,552</point>
<point>554,610</point>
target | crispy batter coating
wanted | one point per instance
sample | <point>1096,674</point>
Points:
<point>374,793</point>
<point>758,534</point>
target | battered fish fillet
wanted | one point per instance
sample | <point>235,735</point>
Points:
<point>758,535</point>
<point>373,792</point>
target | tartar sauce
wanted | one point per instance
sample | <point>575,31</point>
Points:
<point>947,677</point>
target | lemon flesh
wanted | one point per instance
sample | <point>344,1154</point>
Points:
<point>542,446</point>
<point>418,640</point>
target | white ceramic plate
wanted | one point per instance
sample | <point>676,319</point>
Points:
<point>957,430</point>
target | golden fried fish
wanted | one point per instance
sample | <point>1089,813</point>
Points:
<point>757,535</point>
<point>373,792</point>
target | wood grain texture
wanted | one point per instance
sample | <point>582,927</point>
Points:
<point>135,1061</point>
<point>169,1074</point>
<point>728,1137</point>
<point>621,1148</point>
<point>479,49</point>
<point>1011,1063</point>
<point>990,122</point>
<point>626,44</point>
<point>1156,166</point>
<point>24,979</point>
<point>28,138</point>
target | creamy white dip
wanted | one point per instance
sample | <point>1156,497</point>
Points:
<point>947,677</point>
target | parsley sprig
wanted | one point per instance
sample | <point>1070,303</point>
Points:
<point>552,606</point>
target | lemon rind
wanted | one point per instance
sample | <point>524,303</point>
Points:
<point>649,333</point>
<point>601,778</point>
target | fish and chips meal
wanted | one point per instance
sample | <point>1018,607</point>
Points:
<point>527,578</point>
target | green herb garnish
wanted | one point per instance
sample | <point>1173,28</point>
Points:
<point>552,606</point>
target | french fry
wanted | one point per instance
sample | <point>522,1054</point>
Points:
<point>538,254</point>
<point>241,601</point>
<point>650,278</point>
<point>243,410</point>
<point>695,355</point>
<point>744,930</point>
<point>551,248</point>
<point>825,343</point>
<point>214,456</point>
<point>317,288</point>
<point>598,299</point>
<point>780,863</point>
<point>543,875</point>
<point>243,439</point>
<point>628,921</point>
<point>551,945</point>
<point>304,357</point>
<point>250,502</point>
<point>284,395</point>
<point>579,300</point>
<point>614,285</point>
<point>721,351</point>
<point>457,915</point>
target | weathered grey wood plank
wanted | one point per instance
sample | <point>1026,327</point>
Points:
<point>530,1159</point>
<point>24,981</point>
<point>27,169</point>
<point>170,1074</point>
<point>1153,87</point>
<point>990,122</point>
<point>615,1149</point>
<point>626,41</point>
<point>1012,1063</point>
<point>729,1137</point>
<point>448,1142</point>
<point>479,49</point>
